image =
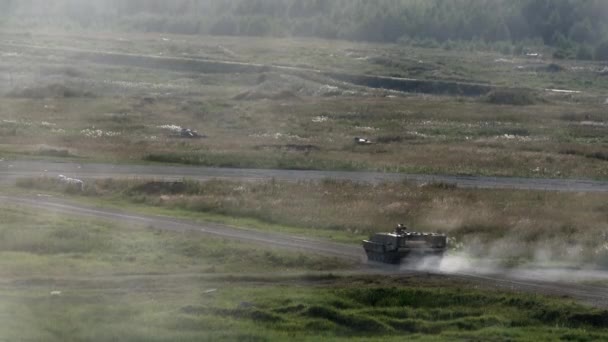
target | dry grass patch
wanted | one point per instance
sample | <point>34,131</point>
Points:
<point>503,224</point>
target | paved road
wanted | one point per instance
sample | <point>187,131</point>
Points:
<point>10,171</point>
<point>530,282</point>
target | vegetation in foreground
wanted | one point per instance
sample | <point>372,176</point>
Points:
<point>50,245</point>
<point>509,225</point>
<point>74,279</point>
<point>346,309</point>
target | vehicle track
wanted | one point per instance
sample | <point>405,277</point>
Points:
<point>10,171</point>
<point>173,224</point>
<point>207,65</point>
<point>594,295</point>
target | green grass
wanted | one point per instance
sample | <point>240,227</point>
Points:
<point>414,133</point>
<point>345,56</point>
<point>190,309</point>
<point>509,226</point>
<point>148,205</point>
<point>48,245</point>
<point>133,283</point>
<point>264,160</point>
<point>65,278</point>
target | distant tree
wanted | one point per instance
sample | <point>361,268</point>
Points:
<point>184,25</point>
<point>257,26</point>
<point>226,26</point>
<point>564,24</point>
<point>584,52</point>
<point>81,12</point>
<point>601,51</point>
<point>582,32</point>
<point>499,32</point>
<point>325,29</point>
<point>561,41</point>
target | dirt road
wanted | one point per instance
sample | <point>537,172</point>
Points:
<point>224,66</point>
<point>531,281</point>
<point>173,224</point>
<point>10,171</point>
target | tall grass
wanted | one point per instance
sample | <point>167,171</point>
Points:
<point>504,224</point>
<point>268,311</point>
<point>258,160</point>
<point>378,312</point>
<point>48,244</point>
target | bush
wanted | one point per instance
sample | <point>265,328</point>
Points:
<point>360,323</point>
<point>554,68</point>
<point>50,91</point>
<point>517,97</point>
<point>584,53</point>
<point>563,54</point>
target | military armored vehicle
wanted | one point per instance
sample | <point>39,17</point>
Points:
<point>391,248</point>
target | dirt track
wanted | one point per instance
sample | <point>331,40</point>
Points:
<point>173,224</point>
<point>10,171</point>
<point>531,282</point>
<point>223,66</point>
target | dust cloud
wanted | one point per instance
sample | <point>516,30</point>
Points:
<point>542,267</point>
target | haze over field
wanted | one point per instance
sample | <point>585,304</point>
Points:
<point>575,28</point>
<point>233,170</point>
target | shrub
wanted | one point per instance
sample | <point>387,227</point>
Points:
<point>584,52</point>
<point>50,91</point>
<point>355,322</point>
<point>517,97</point>
<point>554,68</point>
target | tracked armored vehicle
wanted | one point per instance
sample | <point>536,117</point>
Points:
<point>392,248</point>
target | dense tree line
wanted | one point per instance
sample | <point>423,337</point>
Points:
<point>576,28</point>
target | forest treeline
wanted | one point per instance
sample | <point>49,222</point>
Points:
<point>575,28</point>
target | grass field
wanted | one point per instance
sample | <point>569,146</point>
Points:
<point>69,278</point>
<point>64,278</point>
<point>49,245</point>
<point>400,60</point>
<point>342,310</point>
<point>507,225</point>
<point>91,109</point>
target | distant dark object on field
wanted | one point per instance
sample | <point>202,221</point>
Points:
<point>160,188</point>
<point>50,91</point>
<point>290,147</point>
<point>554,68</point>
<point>190,134</point>
<point>148,100</point>
<point>362,141</point>
<point>517,97</point>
